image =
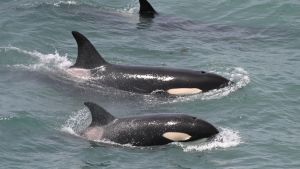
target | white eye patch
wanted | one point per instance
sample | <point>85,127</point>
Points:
<point>176,136</point>
<point>184,91</point>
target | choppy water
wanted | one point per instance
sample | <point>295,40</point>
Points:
<point>254,43</point>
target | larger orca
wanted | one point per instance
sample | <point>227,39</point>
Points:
<point>140,79</point>
<point>149,130</point>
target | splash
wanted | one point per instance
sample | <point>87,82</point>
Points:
<point>50,62</point>
<point>64,3</point>
<point>225,139</point>
<point>54,65</point>
<point>238,75</point>
<point>131,8</point>
<point>77,122</point>
<point>5,118</point>
<point>55,3</point>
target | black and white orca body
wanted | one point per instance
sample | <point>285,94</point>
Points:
<point>150,130</point>
<point>140,79</point>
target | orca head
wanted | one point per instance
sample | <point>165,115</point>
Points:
<point>210,81</point>
<point>202,129</point>
<point>188,128</point>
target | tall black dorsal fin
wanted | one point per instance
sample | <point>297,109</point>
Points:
<point>146,8</point>
<point>88,57</point>
<point>100,116</point>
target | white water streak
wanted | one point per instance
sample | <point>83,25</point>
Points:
<point>150,76</point>
<point>225,139</point>
<point>77,122</point>
<point>50,62</point>
<point>65,2</point>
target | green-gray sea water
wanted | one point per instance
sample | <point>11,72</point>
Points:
<point>254,43</point>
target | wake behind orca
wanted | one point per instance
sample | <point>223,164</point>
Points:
<point>147,130</point>
<point>140,79</point>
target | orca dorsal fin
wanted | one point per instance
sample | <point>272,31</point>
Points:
<point>100,116</point>
<point>146,9</point>
<point>88,57</point>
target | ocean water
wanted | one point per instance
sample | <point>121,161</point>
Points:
<point>254,43</point>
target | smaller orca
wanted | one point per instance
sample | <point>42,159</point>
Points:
<point>90,65</point>
<point>148,130</point>
<point>146,10</point>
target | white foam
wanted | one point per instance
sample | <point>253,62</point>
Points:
<point>238,75</point>
<point>225,139</point>
<point>5,118</point>
<point>64,3</point>
<point>131,8</point>
<point>77,122</point>
<point>50,62</point>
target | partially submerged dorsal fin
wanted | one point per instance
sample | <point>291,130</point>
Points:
<point>146,8</point>
<point>100,116</point>
<point>88,57</point>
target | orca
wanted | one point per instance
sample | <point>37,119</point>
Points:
<point>146,9</point>
<point>147,130</point>
<point>90,65</point>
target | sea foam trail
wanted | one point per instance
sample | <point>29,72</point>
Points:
<point>50,62</point>
<point>129,9</point>
<point>65,3</point>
